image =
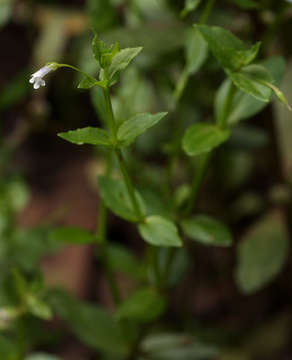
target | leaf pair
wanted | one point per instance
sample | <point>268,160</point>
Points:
<point>127,132</point>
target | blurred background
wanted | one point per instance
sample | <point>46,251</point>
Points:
<point>52,182</point>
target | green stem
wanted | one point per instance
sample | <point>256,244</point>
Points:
<point>222,121</point>
<point>110,113</point>
<point>103,242</point>
<point>200,173</point>
<point>129,185</point>
<point>207,11</point>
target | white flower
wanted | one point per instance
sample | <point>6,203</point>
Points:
<point>37,78</point>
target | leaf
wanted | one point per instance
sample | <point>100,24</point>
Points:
<point>243,105</point>
<point>121,60</point>
<point>172,346</point>
<point>230,51</point>
<point>42,356</point>
<point>261,254</point>
<point>121,259</point>
<point>143,305</point>
<point>87,135</point>
<point>190,5</point>
<point>136,126</point>
<point>103,53</point>
<point>8,349</point>
<point>159,231</point>
<point>93,325</point>
<point>115,196</point>
<point>196,49</point>
<point>207,230</point>
<point>72,235</point>
<point>201,138</point>
<point>87,82</point>
<point>250,79</point>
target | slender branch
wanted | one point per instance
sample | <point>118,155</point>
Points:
<point>207,11</point>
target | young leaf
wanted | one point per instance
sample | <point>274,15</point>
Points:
<point>159,231</point>
<point>196,49</point>
<point>190,5</point>
<point>201,138</point>
<point>88,135</point>
<point>121,60</point>
<point>103,53</point>
<point>243,105</point>
<point>72,235</point>
<point>143,305</point>
<point>230,51</point>
<point>262,254</point>
<point>115,196</point>
<point>250,80</point>
<point>88,82</point>
<point>136,126</point>
<point>93,325</point>
<point>207,231</point>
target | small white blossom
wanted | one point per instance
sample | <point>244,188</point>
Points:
<point>37,78</point>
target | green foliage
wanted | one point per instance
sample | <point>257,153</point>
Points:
<point>136,126</point>
<point>88,135</point>
<point>8,350</point>
<point>196,51</point>
<point>116,197</point>
<point>121,60</point>
<point>71,235</point>
<point>90,323</point>
<point>190,5</point>
<point>144,305</point>
<point>159,231</point>
<point>173,346</point>
<point>261,254</point>
<point>230,51</point>
<point>201,138</point>
<point>207,230</point>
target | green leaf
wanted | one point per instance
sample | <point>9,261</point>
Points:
<point>136,126</point>
<point>143,305</point>
<point>42,356</point>
<point>121,259</point>
<point>196,49</point>
<point>87,82</point>
<point>93,325</point>
<point>171,346</point>
<point>72,235</point>
<point>207,230</point>
<point>115,196</point>
<point>103,53</point>
<point>250,80</point>
<point>190,5</point>
<point>201,138</point>
<point>262,254</point>
<point>88,135</point>
<point>38,307</point>
<point>243,105</point>
<point>8,350</point>
<point>230,51</point>
<point>121,60</point>
<point>159,231</point>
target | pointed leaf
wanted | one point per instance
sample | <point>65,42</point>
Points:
<point>201,138</point>
<point>144,305</point>
<point>250,80</point>
<point>121,60</point>
<point>207,230</point>
<point>115,196</point>
<point>262,253</point>
<point>88,135</point>
<point>136,126</point>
